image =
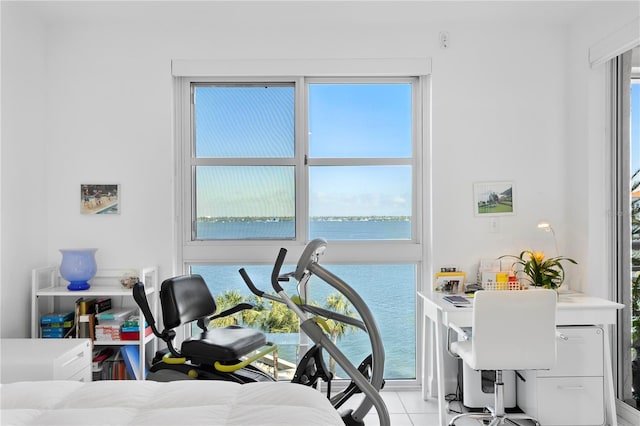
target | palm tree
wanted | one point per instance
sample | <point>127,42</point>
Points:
<point>635,260</point>
<point>635,290</point>
<point>337,302</point>
<point>229,299</point>
<point>279,319</point>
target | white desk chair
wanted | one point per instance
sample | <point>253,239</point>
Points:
<point>511,330</point>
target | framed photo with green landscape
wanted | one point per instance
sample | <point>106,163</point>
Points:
<point>493,198</point>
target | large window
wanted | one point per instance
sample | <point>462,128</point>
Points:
<point>632,368</point>
<point>626,201</point>
<point>273,162</point>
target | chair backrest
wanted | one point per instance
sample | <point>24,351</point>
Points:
<point>514,330</point>
<point>184,299</point>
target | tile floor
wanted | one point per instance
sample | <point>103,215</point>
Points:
<point>407,408</point>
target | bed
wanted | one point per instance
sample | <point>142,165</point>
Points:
<point>183,402</point>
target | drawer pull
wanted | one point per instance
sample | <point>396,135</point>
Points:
<point>70,361</point>
<point>571,387</point>
<point>562,337</point>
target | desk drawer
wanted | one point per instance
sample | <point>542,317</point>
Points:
<point>84,375</point>
<point>570,401</point>
<point>73,361</point>
<point>580,353</point>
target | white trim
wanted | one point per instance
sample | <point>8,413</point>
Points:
<point>308,67</point>
<point>624,39</point>
<point>627,414</point>
<point>253,252</point>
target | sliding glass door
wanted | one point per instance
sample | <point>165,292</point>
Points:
<point>626,197</point>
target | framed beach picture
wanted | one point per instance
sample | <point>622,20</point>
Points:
<point>493,198</point>
<point>100,199</point>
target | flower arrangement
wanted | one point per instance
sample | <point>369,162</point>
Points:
<point>541,272</point>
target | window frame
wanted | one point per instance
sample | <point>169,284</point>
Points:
<point>620,77</point>
<point>199,250</point>
<point>223,252</point>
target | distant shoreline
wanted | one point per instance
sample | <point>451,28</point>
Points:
<point>313,219</point>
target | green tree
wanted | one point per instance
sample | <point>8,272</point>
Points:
<point>338,303</point>
<point>635,289</point>
<point>229,299</point>
<point>635,262</point>
<point>279,319</point>
<point>271,317</point>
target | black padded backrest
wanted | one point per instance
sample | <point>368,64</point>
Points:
<point>184,299</point>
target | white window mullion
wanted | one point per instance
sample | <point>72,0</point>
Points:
<point>243,162</point>
<point>361,162</point>
<point>302,169</point>
<point>181,163</point>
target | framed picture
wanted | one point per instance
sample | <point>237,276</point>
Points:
<point>100,199</point>
<point>493,198</point>
<point>452,279</point>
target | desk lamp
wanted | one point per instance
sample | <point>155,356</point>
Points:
<point>546,226</point>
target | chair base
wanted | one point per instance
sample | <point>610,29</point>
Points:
<point>495,420</point>
<point>496,414</point>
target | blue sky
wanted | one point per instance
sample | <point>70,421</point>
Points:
<point>345,120</point>
<point>635,126</point>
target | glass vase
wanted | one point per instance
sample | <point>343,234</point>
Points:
<point>78,266</point>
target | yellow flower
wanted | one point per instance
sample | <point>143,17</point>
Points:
<point>538,256</point>
<point>540,272</point>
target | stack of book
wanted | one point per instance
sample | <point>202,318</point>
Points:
<point>110,323</point>
<point>117,364</point>
<point>85,314</point>
<point>99,358</point>
<point>131,328</point>
<point>110,368</point>
<point>56,325</point>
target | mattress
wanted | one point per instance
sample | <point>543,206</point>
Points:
<point>184,402</point>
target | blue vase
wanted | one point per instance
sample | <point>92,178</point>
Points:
<point>78,266</point>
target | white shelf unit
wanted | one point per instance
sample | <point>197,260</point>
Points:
<point>50,294</point>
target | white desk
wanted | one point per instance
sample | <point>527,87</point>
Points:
<point>573,309</point>
<point>45,359</point>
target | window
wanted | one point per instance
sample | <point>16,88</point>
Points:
<point>626,201</point>
<point>275,162</point>
<point>360,161</point>
<point>633,352</point>
<point>243,159</point>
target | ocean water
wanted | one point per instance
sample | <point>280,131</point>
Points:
<point>329,229</point>
<point>387,289</point>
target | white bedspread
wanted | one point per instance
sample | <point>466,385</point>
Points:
<point>197,402</point>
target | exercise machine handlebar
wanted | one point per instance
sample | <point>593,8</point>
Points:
<point>315,310</point>
<point>275,274</point>
<point>247,280</point>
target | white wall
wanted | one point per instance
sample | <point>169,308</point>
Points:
<point>588,178</point>
<point>499,112</point>
<point>504,108</point>
<point>24,168</point>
